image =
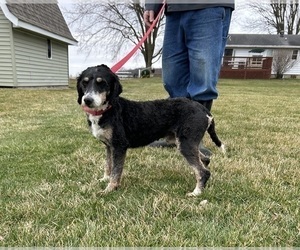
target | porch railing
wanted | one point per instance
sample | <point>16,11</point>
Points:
<point>246,67</point>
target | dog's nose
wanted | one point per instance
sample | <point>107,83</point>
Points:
<point>88,101</point>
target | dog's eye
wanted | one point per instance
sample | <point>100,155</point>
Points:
<point>99,79</point>
<point>85,81</point>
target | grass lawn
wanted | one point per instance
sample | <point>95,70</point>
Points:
<point>50,168</point>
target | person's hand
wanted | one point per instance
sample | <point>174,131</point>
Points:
<point>148,17</point>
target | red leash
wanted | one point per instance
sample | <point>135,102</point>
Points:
<point>119,65</point>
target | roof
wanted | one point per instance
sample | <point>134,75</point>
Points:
<point>47,17</point>
<point>263,40</point>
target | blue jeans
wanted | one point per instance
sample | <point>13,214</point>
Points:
<point>193,48</point>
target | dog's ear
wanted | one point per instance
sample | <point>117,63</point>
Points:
<point>79,89</point>
<point>116,87</point>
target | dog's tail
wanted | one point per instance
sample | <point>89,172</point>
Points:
<point>213,135</point>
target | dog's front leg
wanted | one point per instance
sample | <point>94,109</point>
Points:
<point>107,168</point>
<point>118,159</point>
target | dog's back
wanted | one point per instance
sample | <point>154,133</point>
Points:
<point>145,122</point>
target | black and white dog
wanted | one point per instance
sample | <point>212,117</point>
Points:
<point>121,124</point>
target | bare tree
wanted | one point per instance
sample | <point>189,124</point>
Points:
<point>273,16</point>
<point>282,61</point>
<point>113,29</point>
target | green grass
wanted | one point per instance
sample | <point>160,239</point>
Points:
<point>50,168</point>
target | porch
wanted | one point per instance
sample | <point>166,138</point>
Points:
<point>256,67</point>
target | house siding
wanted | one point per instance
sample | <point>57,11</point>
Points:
<point>244,52</point>
<point>295,70</point>
<point>34,69</point>
<point>241,52</point>
<point>6,53</point>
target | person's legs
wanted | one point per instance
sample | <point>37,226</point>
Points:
<point>206,33</point>
<point>193,48</point>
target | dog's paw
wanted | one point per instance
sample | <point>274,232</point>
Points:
<point>192,194</point>
<point>110,187</point>
<point>102,193</point>
<point>197,191</point>
<point>104,178</point>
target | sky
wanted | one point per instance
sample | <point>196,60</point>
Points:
<point>79,60</point>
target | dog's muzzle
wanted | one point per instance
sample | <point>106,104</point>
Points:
<point>94,100</point>
<point>88,101</point>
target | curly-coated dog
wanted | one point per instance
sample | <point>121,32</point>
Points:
<point>121,124</point>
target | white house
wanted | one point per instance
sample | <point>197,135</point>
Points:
<point>34,41</point>
<point>241,47</point>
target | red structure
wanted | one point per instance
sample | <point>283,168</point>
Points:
<point>256,67</point>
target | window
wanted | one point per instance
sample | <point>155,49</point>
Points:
<point>49,48</point>
<point>228,52</point>
<point>256,61</point>
<point>295,54</point>
<point>227,58</point>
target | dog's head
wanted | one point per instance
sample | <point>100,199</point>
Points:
<point>97,86</point>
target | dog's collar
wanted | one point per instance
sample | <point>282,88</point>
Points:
<point>96,112</point>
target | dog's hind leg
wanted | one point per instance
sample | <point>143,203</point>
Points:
<point>191,153</point>
<point>118,159</point>
<point>108,166</point>
<point>213,135</point>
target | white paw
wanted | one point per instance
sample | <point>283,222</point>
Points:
<point>223,149</point>
<point>196,192</point>
<point>104,178</point>
<point>107,190</point>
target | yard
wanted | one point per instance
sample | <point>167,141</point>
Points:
<point>50,168</point>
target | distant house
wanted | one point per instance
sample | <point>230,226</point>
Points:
<point>253,53</point>
<point>34,41</point>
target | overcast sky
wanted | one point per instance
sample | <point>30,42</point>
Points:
<point>78,60</point>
